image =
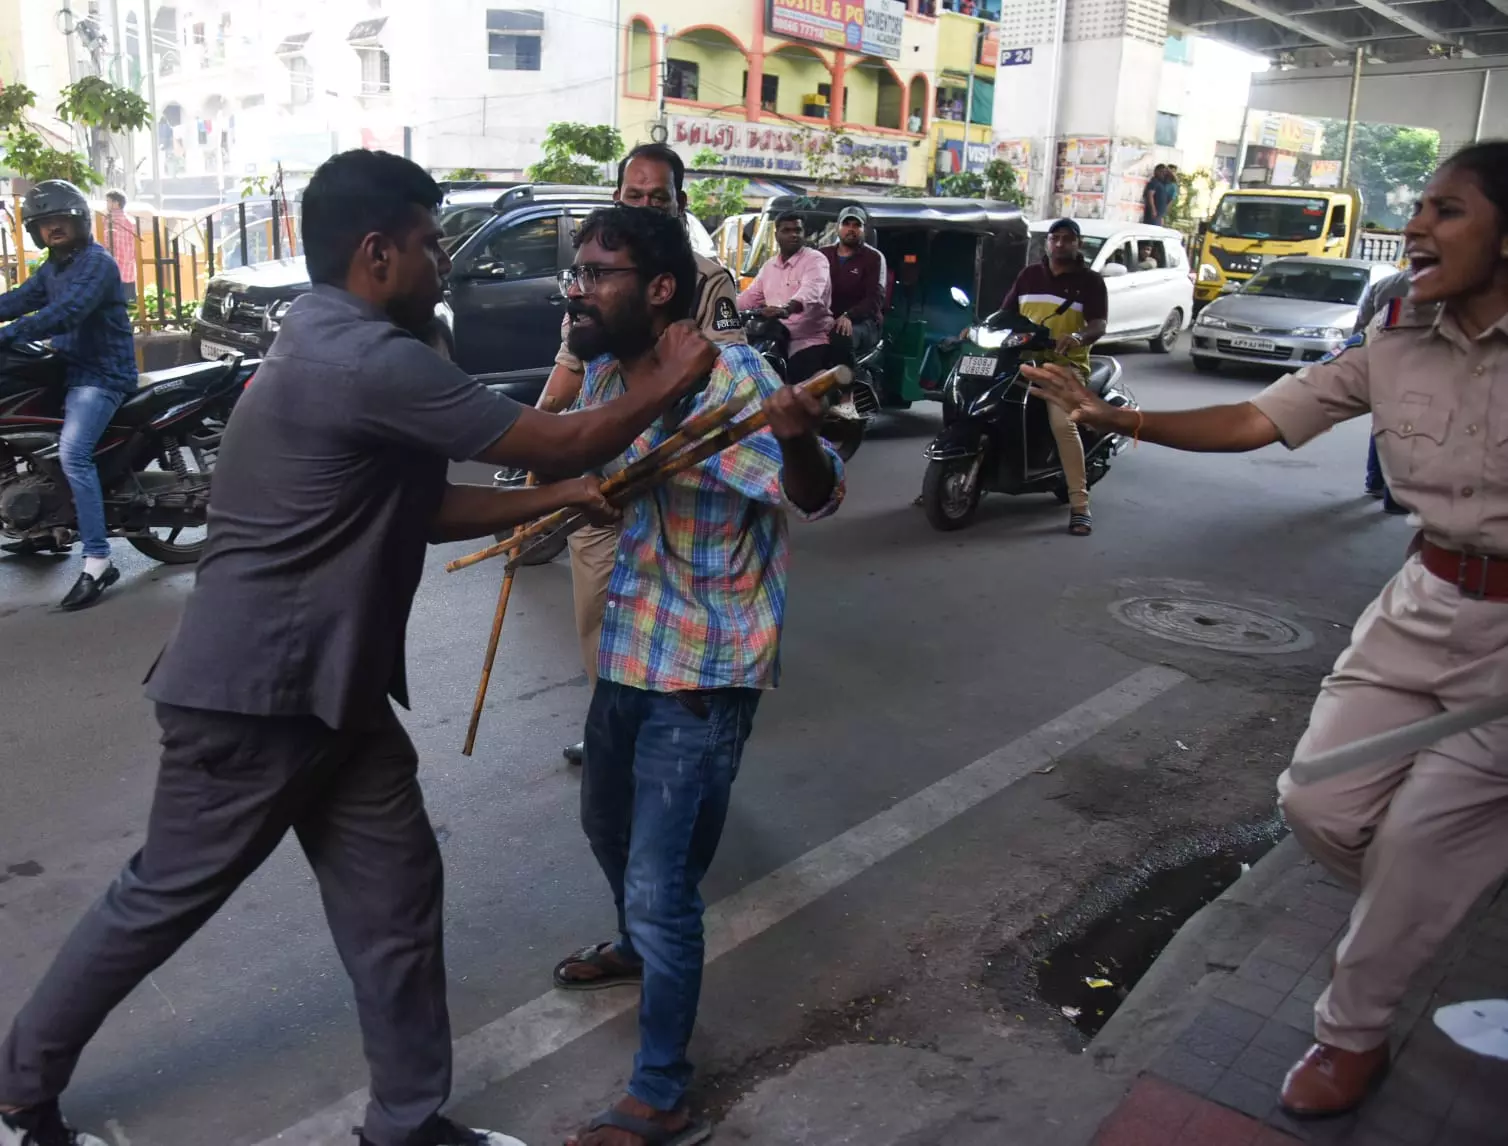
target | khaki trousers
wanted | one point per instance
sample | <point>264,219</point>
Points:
<point>1071,454</point>
<point>1421,837</point>
<point>594,548</point>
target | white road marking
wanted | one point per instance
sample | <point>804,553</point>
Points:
<point>544,1025</point>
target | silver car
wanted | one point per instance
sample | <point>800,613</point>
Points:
<point>1294,310</point>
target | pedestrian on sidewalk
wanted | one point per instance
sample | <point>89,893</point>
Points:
<point>652,176</point>
<point>1420,837</point>
<point>691,637</point>
<point>274,694</point>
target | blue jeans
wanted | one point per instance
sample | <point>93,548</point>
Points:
<point>655,783</point>
<point>87,410</point>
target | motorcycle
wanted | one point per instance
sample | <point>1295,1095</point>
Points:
<point>154,459</point>
<point>996,437</point>
<point>856,405</point>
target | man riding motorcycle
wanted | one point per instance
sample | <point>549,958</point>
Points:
<point>76,300</point>
<point>795,287</point>
<point>857,271</point>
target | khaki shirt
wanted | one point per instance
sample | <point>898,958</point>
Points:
<point>716,311</point>
<point>1439,405</point>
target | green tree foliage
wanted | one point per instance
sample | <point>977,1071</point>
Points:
<point>577,154</point>
<point>713,200</point>
<point>91,102</point>
<point>830,157</point>
<point>464,175</point>
<point>962,185</point>
<point>1191,202</point>
<point>1000,183</point>
<point>1389,165</point>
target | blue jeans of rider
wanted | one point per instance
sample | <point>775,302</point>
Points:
<point>656,779</point>
<point>87,410</point>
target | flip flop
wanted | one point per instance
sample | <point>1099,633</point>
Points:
<point>610,974</point>
<point>652,1133</point>
<point>1080,524</point>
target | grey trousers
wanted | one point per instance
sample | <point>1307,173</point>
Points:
<point>229,789</point>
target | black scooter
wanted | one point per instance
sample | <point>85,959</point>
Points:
<point>996,437</point>
<point>855,406</point>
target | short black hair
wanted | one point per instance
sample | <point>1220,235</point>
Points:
<point>656,242</point>
<point>660,153</point>
<point>789,216</point>
<point>117,197</point>
<point>350,196</point>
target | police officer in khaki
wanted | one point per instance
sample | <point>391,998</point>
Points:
<point>1423,836</point>
<point>651,175</point>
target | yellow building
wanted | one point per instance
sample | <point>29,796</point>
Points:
<point>757,85</point>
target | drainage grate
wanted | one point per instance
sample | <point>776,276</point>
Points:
<point>1212,625</point>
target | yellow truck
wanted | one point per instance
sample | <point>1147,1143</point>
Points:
<point>1254,225</point>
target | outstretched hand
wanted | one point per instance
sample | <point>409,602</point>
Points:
<point>1062,387</point>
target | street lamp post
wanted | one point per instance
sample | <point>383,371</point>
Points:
<point>149,42</point>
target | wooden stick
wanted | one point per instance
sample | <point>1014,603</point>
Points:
<point>730,436</point>
<point>693,429</point>
<point>497,631</point>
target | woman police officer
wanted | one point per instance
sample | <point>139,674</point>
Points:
<point>1421,836</point>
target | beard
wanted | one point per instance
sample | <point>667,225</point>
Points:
<point>625,333</point>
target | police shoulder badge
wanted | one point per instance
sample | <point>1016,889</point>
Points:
<point>725,316</point>
<point>1357,339</point>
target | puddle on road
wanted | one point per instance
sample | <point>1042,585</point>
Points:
<point>1115,949</point>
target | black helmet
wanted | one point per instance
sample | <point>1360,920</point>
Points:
<point>50,198</point>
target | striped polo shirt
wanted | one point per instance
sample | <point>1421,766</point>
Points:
<point>1039,295</point>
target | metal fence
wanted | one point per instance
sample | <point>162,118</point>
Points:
<point>167,259</point>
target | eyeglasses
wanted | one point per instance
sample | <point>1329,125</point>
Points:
<point>587,275</point>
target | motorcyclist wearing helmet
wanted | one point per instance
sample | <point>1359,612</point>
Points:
<point>75,299</point>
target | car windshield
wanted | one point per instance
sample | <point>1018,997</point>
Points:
<point>1310,282</point>
<point>458,221</point>
<point>1037,251</point>
<point>1260,217</point>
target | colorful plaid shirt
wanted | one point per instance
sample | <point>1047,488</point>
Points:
<point>697,595</point>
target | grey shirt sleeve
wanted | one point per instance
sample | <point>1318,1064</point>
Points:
<point>413,397</point>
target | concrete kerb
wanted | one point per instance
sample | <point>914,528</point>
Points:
<point>1209,947</point>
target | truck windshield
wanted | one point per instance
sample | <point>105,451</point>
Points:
<point>1261,217</point>
<point>1311,282</point>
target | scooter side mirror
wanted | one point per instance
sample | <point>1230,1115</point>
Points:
<point>961,297</point>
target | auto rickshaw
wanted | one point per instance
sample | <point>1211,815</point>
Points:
<point>931,247</point>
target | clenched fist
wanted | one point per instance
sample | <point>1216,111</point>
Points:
<point>793,413</point>
<point>686,354</point>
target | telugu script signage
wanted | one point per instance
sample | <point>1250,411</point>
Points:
<point>774,151</point>
<point>870,27</point>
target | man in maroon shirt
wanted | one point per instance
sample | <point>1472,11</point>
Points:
<point>858,289</point>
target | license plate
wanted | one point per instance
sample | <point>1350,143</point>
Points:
<point>1265,345</point>
<point>210,351</point>
<point>977,365</point>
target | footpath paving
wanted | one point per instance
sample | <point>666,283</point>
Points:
<point>1214,1075</point>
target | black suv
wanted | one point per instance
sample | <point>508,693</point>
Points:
<point>500,316</point>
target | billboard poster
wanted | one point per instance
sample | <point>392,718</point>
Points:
<point>869,27</point>
<point>766,149</point>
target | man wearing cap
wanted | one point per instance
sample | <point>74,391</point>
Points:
<point>858,285</point>
<point>1064,295</point>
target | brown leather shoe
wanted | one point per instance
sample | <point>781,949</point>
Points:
<point>1328,1081</point>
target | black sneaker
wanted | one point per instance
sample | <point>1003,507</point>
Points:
<point>443,1132</point>
<point>42,1126</point>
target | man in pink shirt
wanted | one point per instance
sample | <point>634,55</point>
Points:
<point>796,287</point>
<point>121,239</point>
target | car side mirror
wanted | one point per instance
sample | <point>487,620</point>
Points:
<point>1113,271</point>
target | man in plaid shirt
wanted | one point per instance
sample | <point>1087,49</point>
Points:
<point>691,637</point>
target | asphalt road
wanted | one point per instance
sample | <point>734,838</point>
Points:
<point>908,655</point>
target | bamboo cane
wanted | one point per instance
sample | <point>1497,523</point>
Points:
<point>503,594</point>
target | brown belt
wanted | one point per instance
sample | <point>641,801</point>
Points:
<point>1485,578</point>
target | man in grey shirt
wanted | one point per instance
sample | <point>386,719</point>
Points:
<point>273,695</point>
<point>1378,295</point>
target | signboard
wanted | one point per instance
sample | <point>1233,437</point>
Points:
<point>989,46</point>
<point>1289,133</point>
<point>1015,57</point>
<point>977,156</point>
<point>766,149</point>
<point>1324,173</point>
<point>871,27</point>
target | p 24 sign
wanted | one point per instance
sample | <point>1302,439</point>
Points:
<point>1010,57</point>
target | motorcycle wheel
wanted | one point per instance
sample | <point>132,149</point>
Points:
<point>539,556</point>
<point>168,551</point>
<point>948,504</point>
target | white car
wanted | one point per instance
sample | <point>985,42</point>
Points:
<point>1146,277</point>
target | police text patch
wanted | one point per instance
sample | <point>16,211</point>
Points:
<point>725,316</point>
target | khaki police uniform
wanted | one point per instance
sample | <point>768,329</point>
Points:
<point>1420,837</point>
<point>594,547</point>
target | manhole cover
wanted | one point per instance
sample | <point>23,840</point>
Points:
<point>1212,625</point>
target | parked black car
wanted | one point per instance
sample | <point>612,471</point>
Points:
<point>501,314</point>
